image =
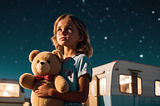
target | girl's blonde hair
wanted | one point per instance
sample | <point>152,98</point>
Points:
<point>84,46</point>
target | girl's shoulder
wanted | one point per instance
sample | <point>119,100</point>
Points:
<point>81,56</point>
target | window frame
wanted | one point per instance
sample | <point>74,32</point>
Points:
<point>99,86</point>
<point>10,90</point>
<point>131,85</point>
<point>155,88</point>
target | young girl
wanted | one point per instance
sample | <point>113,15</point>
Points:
<point>72,39</point>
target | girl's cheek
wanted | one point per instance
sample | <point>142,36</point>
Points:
<point>57,36</point>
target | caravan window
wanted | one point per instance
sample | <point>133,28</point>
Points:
<point>93,88</point>
<point>126,84</point>
<point>157,88</point>
<point>9,90</point>
<point>102,86</point>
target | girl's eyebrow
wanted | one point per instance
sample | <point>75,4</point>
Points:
<point>58,26</point>
<point>65,26</point>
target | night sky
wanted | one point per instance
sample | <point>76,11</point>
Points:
<point>119,29</point>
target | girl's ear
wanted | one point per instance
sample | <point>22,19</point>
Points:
<point>81,38</point>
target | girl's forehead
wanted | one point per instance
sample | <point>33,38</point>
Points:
<point>65,22</point>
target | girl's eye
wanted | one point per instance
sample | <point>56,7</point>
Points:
<point>59,29</point>
<point>69,28</point>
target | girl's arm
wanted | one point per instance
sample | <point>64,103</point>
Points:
<point>73,96</point>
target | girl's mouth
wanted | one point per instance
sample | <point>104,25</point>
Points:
<point>62,38</point>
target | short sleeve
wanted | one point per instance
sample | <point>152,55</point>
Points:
<point>84,66</point>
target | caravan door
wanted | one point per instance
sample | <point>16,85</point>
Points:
<point>93,93</point>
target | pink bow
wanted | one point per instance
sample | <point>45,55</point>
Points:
<point>46,77</point>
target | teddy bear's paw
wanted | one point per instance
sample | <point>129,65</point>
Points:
<point>27,80</point>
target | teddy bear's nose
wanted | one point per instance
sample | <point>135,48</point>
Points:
<point>42,63</point>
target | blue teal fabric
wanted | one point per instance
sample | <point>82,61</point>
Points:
<point>73,69</point>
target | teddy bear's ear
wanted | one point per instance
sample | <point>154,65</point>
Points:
<point>59,54</point>
<point>33,54</point>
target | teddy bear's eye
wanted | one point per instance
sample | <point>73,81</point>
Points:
<point>38,61</point>
<point>48,61</point>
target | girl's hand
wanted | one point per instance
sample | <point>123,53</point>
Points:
<point>43,91</point>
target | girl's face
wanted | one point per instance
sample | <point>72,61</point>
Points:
<point>67,33</point>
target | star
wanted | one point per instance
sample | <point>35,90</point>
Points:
<point>141,55</point>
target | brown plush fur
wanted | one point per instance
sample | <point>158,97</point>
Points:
<point>51,66</point>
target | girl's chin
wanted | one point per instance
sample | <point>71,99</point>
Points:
<point>61,44</point>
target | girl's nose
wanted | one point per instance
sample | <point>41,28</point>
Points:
<point>64,32</point>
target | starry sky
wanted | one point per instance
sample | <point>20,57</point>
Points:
<point>119,30</point>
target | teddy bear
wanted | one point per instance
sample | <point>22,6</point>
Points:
<point>46,67</point>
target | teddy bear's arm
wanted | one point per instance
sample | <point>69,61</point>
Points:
<point>26,80</point>
<point>61,84</point>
